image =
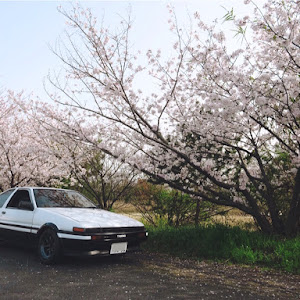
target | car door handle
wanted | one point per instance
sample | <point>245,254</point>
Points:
<point>3,213</point>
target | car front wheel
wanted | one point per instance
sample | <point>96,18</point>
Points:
<point>49,249</point>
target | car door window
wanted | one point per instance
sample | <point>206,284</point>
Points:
<point>18,200</point>
<point>4,196</point>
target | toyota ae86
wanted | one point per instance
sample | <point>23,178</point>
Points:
<point>64,222</point>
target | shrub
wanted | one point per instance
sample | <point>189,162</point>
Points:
<point>162,205</point>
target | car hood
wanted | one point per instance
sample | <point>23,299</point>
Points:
<point>90,217</point>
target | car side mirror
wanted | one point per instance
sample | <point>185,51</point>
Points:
<point>26,205</point>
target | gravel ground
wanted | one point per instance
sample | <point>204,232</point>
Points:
<point>137,276</point>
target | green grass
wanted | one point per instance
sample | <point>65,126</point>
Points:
<point>219,242</point>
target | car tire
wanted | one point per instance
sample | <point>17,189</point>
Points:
<point>49,248</point>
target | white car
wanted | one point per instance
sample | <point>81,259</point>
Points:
<point>65,222</point>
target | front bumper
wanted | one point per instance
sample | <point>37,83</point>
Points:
<point>99,241</point>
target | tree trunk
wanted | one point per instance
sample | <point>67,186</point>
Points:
<point>197,215</point>
<point>263,223</point>
<point>293,220</point>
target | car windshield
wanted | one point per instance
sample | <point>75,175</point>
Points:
<point>60,198</point>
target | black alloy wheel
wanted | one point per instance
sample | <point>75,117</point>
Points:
<point>49,249</point>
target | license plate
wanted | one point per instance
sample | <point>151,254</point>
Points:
<point>118,248</point>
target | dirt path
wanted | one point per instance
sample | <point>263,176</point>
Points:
<point>236,278</point>
<point>136,276</point>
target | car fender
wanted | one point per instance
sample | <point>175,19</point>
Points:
<point>46,226</point>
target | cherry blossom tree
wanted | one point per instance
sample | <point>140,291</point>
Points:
<point>102,179</point>
<point>222,125</point>
<point>87,169</point>
<point>24,159</point>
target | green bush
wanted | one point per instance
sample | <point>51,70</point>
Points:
<point>159,204</point>
<point>226,243</point>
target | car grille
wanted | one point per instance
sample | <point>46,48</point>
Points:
<point>115,230</point>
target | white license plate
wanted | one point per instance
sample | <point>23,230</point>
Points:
<point>118,248</point>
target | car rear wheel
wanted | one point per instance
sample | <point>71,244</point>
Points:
<point>49,249</point>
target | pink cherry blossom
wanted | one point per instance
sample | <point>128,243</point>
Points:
<point>223,124</point>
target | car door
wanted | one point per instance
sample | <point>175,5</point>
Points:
<point>17,216</point>
<point>3,198</point>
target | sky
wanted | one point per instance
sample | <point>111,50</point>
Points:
<point>28,30</point>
